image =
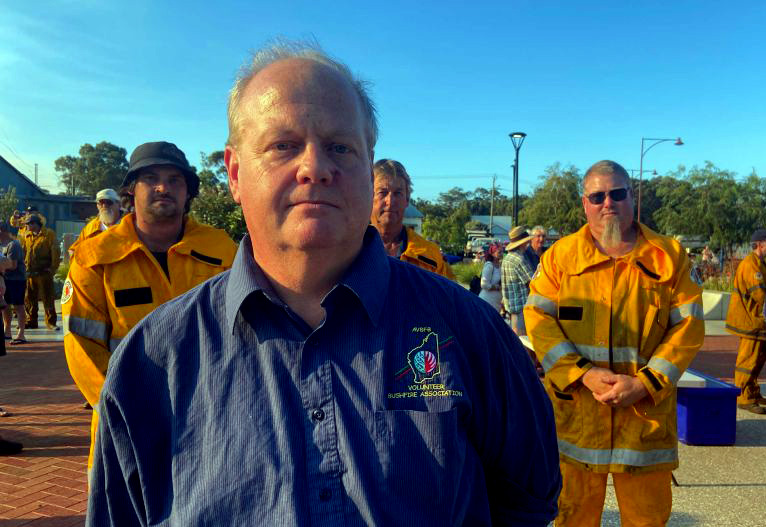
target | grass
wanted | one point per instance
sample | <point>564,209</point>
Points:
<point>465,271</point>
<point>719,283</point>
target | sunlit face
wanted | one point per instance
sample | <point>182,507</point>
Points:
<point>302,170</point>
<point>108,211</point>
<point>599,215</point>
<point>537,241</point>
<point>160,193</point>
<point>389,201</point>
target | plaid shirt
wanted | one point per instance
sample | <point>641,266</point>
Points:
<point>515,275</point>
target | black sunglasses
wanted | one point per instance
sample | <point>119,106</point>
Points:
<point>616,194</point>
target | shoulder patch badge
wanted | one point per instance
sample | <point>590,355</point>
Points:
<point>758,276</point>
<point>66,292</point>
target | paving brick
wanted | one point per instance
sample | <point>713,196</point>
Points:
<point>60,501</point>
<point>66,492</point>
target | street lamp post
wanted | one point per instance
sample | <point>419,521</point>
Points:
<point>517,138</point>
<point>677,142</point>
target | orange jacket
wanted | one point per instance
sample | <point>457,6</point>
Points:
<point>114,282</point>
<point>745,316</point>
<point>425,255</point>
<point>638,315</point>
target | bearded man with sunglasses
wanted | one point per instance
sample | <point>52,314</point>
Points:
<point>615,319</point>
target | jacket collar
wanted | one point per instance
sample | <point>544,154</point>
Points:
<point>116,243</point>
<point>653,254</point>
<point>367,277</point>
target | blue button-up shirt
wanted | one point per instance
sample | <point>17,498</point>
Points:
<point>411,404</point>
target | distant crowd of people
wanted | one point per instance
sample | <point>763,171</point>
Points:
<point>328,369</point>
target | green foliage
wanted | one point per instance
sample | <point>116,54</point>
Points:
<point>555,202</point>
<point>8,202</point>
<point>465,271</point>
<point>96,167</point>
<point>710,202</point>
<point>448,232</point>
<point>214,205</point>
<point>719,283</point>
<point>61,272</point>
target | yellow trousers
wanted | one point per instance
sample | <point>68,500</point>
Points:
<point>751,355</point>
<point>645,499</point>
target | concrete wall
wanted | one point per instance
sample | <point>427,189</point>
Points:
<point>715,304</point>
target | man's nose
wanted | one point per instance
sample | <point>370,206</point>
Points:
<point>315,165</point>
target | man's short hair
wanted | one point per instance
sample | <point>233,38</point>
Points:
<point>538,229</point>
<point>285,49</point>
<point>391,169</point>
<point>607,168</point>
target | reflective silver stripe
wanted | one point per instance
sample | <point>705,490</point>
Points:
<point>547,305</point>
<point>665,367</point>
<point>692,309</point>
<point>557,352</point>
<point>113,343</point>
<point>618,456</point>
<point>85,327</point>
<point>619,355</point>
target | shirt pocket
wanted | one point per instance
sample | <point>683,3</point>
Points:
<point>427,446</point>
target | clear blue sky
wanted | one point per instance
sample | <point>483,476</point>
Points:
<point>584,79</point>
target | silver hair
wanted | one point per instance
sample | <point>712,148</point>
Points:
<point>282,49</point>
<point>536,229</point>
<point>607,168</point>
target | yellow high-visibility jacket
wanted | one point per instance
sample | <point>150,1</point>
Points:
<point>425,255</point>
<point>91,229</point>
<point>114,281</point>
<point>41,251</point>
<point>639,315</point>
<point>21,226</point>
<point>745,316</point>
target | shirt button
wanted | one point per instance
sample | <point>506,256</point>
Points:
<point>318,415</point>
<point>325,494</point>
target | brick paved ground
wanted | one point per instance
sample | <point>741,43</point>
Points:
<point>45,486</point>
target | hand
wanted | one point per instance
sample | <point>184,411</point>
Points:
<point>625,391</point>
<point>598,380</point>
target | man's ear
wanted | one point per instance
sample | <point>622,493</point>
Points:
<point>231,160</point>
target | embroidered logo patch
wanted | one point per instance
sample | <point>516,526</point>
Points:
<point>66,292</point>
<point>758,276</point>
<point>424,360</point>
<point>424,364</point>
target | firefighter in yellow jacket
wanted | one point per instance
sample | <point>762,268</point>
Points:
<point>746,319</point>
<point>391,196</point>
<point>615,319</point>
<point>41,258</point>
<point>150,257</point>
<point>109,215</point>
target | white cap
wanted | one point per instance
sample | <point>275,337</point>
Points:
<point>109,194</point>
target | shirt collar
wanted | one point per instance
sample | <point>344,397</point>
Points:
<point>367,277</point>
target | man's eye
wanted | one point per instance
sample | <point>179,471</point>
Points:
<point>339,149</point>
<point>282,146</point>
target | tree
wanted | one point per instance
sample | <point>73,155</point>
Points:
<point>555,202</point>
<point>214,204</point>
<point>97,167</point>
<point>448,232</point>
<point>8,202</point>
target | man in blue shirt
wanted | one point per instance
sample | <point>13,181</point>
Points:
<point>319,382</point>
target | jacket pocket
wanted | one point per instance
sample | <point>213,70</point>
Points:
<point>567,408</point>
<point>652,420</point>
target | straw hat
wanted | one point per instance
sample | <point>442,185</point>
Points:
<point>518,236</point>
